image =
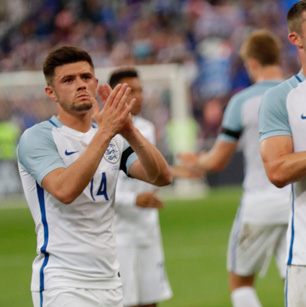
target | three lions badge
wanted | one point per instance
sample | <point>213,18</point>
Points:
<point>112,152</point>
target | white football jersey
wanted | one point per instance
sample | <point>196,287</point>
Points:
<point>135,225</point>
<point>261,203</point>
<point>283,112</point>
<point>75,242</point>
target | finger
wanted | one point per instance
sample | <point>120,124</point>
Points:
<point>108,88</point>
<point>104,90</point>
<point>102,93</point>
<point>121,97</point>
<point>96,108</point>
<point>183,157</point>
<point>154,203</point>
<point>154,192</point>
<point>128,108</point>
<point>160,204</point>
<point>112,95</point>
<point>186,155</point>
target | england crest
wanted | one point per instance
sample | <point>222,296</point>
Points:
<point>112,152</point>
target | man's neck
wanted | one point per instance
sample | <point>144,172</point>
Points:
<point>80,122</point>
<point>269,73</point>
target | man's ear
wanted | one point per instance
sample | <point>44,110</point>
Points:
<point>295,39</point>
<point>50,92</point>
<point>253,64</point>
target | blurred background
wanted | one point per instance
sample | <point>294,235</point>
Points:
<point>200,37</point>
<point>187,55</point>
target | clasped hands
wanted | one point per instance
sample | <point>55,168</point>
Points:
<point>115,117</point>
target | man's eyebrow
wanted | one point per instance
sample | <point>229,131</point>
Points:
<point>64,77</point>
<point>88,73</point>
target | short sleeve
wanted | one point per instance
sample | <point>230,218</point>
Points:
<point>232,121</point>
<point>128,157</point>
<point>37,152</point>
<point>273,115</point>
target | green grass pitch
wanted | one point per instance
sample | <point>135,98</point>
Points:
<point>195,234</point>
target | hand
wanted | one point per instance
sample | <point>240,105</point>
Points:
<point>104,92</point>
<point>182,171</point>
<point>149,200</point>
<point>116,112</point>
<point>189,159</point>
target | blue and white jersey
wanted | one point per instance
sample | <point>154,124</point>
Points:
<point>283,112</point>
<point>261,203</point>
<point>75,242</point>
<point>135,226</point>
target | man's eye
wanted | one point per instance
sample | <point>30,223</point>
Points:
<point>67,80</point>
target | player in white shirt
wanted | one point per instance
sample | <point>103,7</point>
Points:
<point>282,128</point>
<point>261,221</point>
<point>69,168</point>
<point>137,230</point>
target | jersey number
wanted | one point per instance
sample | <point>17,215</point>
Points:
<point>102,188</point>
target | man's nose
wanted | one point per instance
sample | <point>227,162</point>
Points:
<point>81,85</point>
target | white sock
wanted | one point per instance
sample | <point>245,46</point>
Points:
<point>245,297</point>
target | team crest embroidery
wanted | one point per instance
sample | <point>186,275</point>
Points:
<point>112,152</point>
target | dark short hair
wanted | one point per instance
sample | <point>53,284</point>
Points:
<point>295,17</point>
<point>61,56</point>
<point>121,73</point>
<point>263,46</point>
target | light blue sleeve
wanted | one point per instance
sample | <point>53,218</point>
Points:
<point>232,120</point>
<point>128,156</point>
<point>273,116</point>
<point>37,152</point>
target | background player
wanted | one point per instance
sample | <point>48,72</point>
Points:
<point>261,221</point>
<point>138,237</point>
<point>282,128</point>
<point>69,168</point>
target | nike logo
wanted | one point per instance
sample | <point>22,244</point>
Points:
<point>303,117</point>
<point>68,153</point>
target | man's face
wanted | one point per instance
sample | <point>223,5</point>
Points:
<point>136,92</point>
<point>74,86</point>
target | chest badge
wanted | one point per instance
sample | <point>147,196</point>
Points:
<point>112,152</point>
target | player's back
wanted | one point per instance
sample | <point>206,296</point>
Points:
<point>262,201</point>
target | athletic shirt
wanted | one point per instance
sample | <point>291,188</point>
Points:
<point>283,112</point>
<point>136,226</point>
<point>75,242</point>
<point>261,202</point>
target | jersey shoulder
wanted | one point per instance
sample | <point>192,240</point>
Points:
<point>38,134</point>
<point>273,115</point>
<point>257,89</point>
<point>279,93</point>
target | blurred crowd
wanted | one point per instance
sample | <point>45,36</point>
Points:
<point>203,36</point>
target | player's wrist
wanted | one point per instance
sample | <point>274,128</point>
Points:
<point>105,135</point>
<point>130,133</point>
<point>200,162</point>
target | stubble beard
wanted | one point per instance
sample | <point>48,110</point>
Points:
<point>86,106</point>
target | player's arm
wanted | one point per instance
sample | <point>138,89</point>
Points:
<point>151,165</point>
<point>129,198</point>
<point>66,184</point>
<point>281,164</point>
<point>218,157</point>
<point>214,160</point>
